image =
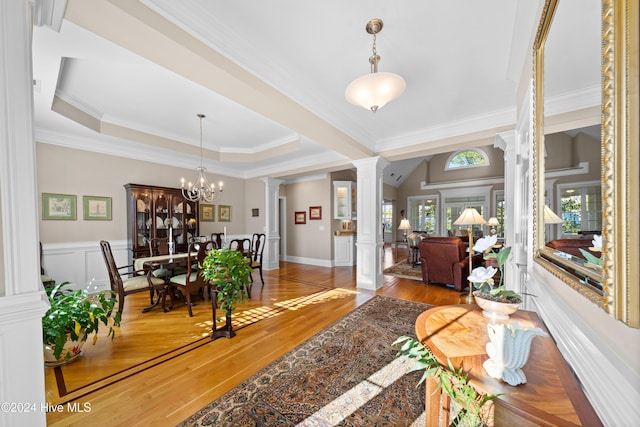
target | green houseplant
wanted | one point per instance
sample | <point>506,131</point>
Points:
<point>229,272</point>
<point>73,316</point>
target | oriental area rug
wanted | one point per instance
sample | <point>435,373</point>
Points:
<point>346,375</point>
<point>405,269</point>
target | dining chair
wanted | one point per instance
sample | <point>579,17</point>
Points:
<point>134,281</point>
<point>257,248</point>
<point>192,281</point>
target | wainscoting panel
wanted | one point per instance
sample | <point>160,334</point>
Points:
<point>591,341</point>
<point>81,262</point>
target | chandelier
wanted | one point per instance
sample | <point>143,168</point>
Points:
<point>200,190</point>
<point>372,91</point>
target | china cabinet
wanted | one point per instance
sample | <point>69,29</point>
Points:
<point>344,200</point>
<point>159,212</point>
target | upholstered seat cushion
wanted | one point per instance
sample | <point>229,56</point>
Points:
<point>181,279</point>
<point>45,279</point>
<point>139,282</point>
<point>160,272</point>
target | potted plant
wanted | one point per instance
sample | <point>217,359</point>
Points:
<point>228,271</point>
<point>496,301</point>
<point>469,406</point>
<point>72,317</point>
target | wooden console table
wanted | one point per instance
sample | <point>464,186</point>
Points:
<point>551,396</point>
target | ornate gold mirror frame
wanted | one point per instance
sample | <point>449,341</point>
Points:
<point>620,276</point>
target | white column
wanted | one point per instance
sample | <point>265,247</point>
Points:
<point>271,257</point>
<point>22,300</point>
<point>513,227</point>
<point>369,230</point>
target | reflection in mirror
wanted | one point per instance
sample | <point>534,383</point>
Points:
<point>565,105</point>
<point>572,156</point>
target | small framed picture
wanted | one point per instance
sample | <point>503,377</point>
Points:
<point>315,212</point>
<point>224,213</point>
<point>255,212</point>
<point>301,217</point>
<point>207,212</point>
<point>96,208</point>
<point>59,206</point>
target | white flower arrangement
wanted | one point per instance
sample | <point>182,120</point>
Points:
<point>482,277</point>
<point>485,243</point>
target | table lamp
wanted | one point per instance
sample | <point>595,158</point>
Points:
<point>404,226</point>
<point>470,216</point>
<point>493,222</point>
<point>550,216</point>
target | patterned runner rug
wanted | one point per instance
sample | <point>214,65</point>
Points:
<point>404,269</point>
<point>346,375</point>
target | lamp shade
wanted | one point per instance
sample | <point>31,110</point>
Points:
<point>493,221</point>
<point>373,91</point>
<point>550,216</point>
<point>470,216</point>
<point>404,225</point>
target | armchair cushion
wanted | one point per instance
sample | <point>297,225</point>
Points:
<point>140,282</point>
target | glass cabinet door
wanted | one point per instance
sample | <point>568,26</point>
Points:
<point>143,218</point>
<point>161,214</point>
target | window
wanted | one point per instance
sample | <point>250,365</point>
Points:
<point>500,209</point>
<point>423,213</point>
<point>467,159</point>
<point>581,208</point>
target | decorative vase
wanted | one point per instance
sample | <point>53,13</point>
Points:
<point>495,309</point>
<point>508,351</point>
<point>71,351</point>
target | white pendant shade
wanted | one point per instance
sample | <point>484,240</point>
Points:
<point>374,90</point>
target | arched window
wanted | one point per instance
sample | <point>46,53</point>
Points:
<point>470,158</point>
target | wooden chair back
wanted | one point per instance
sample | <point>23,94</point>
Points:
<point>159,246</point>
<point>242,245</point>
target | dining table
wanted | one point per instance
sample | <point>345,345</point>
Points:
<point>168,263</point>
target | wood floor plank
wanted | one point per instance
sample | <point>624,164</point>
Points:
<point>297,301</point>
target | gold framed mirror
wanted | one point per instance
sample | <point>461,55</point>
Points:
<point>614,285</point>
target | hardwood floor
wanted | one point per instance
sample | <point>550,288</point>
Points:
<point>296,302</point>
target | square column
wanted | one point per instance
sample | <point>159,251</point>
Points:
<point>370,241</point>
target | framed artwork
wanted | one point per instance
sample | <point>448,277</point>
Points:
<point>207,212</point>
<point>315,212</point>
<point>59,206</point>
<point>96,208</point>
<point>301,217</point>
<point>255,212</point>
<point>224,213</point>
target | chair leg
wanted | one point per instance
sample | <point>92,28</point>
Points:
<point>189,304</point>
<point>261,278</point>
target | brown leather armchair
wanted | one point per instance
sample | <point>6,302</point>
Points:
<point>444,260</point>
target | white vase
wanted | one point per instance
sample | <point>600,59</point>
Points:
<point>508,351</point>
<point>495,309</point>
